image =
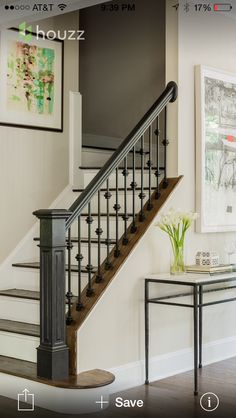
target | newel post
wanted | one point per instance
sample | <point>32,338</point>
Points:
<point>52,353</point>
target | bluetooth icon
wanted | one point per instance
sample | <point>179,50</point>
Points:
<point>186,7</point>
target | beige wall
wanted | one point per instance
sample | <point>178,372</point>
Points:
<point>122,66</point>
<point>34,164</point>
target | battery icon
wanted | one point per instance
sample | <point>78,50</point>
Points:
<point>222,7</point>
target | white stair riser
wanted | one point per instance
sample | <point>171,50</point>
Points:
<point>18,346</point>
<point>112,201</point>
<point>22,310</point>
<point>112,227</point>
<point>84,252</point>
<point>90,174</point>
<point>95,158</point>
<point>29,279</point>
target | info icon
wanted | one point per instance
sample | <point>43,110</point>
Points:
<point>209,402</point>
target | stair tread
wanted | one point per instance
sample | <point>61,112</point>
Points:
<point>85,240</point>
<point>20,293</point>
<point>120,189</point>
<point>113,215</point>
<point>16,327</point>
<point>82,167</point>
<point>26,294</point>
<point>35,265</point>
<point>108,149</point>
<point>28,370</point>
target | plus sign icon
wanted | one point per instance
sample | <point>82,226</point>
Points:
<point>102,402</point>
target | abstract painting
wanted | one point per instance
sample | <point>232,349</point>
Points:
<point>31,81</point>
<point>216,150</point>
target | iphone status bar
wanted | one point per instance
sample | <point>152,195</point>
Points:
<point>204,7</point>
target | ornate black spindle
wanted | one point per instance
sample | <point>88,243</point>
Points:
<point>107,196</point>
<point>149,164</point>
<point>133,186</point>
<point>117,208</point>
<point>157,172</point>
<point>69,293</point>
<point>125,216</point>
<point>79,259</point>
<point>165,142</point>
<point>89,266</point>
<point>99,232</point>
<point>142,194</point>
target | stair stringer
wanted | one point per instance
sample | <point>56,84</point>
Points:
<point>88,343</point>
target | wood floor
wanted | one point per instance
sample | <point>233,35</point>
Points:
<point>167,398</point>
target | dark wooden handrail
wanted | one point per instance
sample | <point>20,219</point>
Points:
<point>169,95</point>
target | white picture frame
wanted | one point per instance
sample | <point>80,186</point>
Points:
<point>23,103</point>
<point>215,99</point>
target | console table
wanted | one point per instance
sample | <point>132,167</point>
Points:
<point>197,285</point>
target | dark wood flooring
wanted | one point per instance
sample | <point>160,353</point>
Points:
<point>168,398</point>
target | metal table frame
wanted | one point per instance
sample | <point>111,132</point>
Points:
<point>197,291</point>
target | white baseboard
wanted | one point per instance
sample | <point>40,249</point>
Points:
<point>132,374</point>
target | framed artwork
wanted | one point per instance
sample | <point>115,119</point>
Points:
<point>215,149</point>
<point>31,81</point>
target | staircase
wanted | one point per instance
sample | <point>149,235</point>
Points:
<point>81,250</point>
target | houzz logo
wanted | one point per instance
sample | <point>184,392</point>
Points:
<point>69,35</point>
<point>25,32</point>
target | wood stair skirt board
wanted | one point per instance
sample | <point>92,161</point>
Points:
<point>88,303</point>
<point>28,370</point>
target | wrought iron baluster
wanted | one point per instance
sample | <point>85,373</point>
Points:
<point>107,196</point>
<point>99,232</point>
<point>69,293</point>
<point>125,216</point>
<point>133,186</point>
<point>142,194</point>
<point>149,164</point>
<point>79,259</point>
<point>165,142</point>
<point>157,172</point>
<point>117,208</point>
<point>89,266</point>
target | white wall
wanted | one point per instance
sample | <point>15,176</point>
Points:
<point>113,336</point>
<point>34,164</point>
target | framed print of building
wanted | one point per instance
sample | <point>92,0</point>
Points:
<point>215,149</point>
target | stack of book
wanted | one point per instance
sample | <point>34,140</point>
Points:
<point>221,268</point>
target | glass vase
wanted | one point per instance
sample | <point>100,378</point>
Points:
<point>177,259</point>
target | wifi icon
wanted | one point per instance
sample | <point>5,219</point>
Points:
<point>62,6</point>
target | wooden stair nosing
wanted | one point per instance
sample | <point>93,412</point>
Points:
<point>36,265</point>
<point>26,294</point>
<point>22,328</point>
<point>99,288</point>
<point>121,168</point>
<point>86,240</point>
<point>20,294</point>
<point>120,189</point>
<point>28,370</point>
<point>110,149</point>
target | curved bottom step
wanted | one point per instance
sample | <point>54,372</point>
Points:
<point>81,394</point>
<point>28,370</point>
